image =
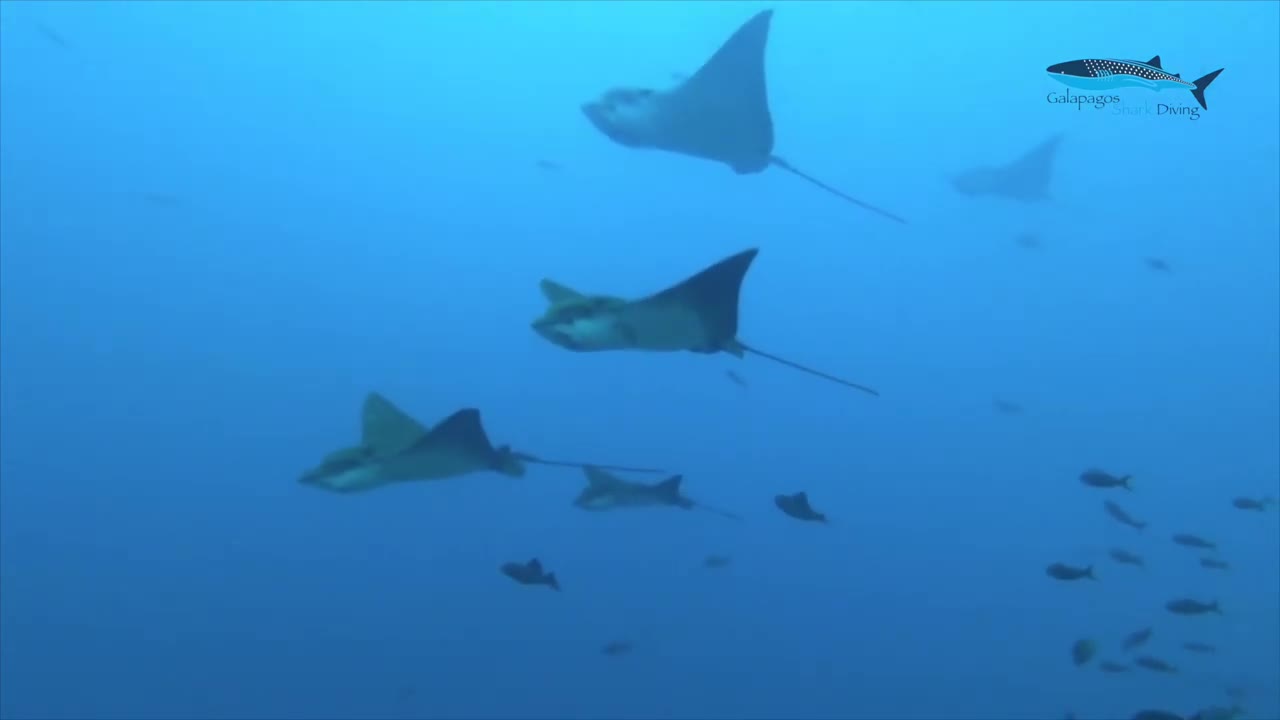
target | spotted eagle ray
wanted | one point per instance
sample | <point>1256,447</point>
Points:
<point>699,315</point>
<point>394,448</point>
<point>720,113</point>
<point>1025,179</point>
<point>605,491</point>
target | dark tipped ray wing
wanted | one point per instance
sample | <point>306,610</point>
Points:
<point>721,113</point>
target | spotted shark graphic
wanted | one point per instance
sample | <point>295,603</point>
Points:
<point>1104,74</point>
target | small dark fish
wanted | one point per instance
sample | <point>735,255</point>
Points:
<point>1156,715</point>
<point>617,648</point>
<point>1211,563</point>
<point>716,561</point>
<point>530,573</point>
<point>1108,666</point>
<point>1137,638</point>
<point>1199,647</point>
<point>736,378</point>
<point>1124,557</point>
<point>1189,606</point>
<point>1101,479</point>
<point>1154,663</point>
<point>1062,571</point>
<point>797,506</point>
<point>1259,504</point>
<point>1006,407</point>
<point>1027,239</point>
<point>1157,264</point>
<point>548,165</point>
<point>1194,541</point>
<point>1121,516</point>
<point>1083,651</point>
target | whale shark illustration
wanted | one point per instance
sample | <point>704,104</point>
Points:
<point>1100,74</point>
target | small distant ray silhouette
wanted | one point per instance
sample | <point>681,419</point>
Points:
<point>1028,240</point>
<point>1026,179</point>
<point>699,314</point>
<point>396,448</point>
<point>162,199</point>
<point>720,113</point>
<point>1006,407</point>
<point>605,491</point>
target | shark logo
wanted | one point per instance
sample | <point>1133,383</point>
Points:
<point>1115,74</point>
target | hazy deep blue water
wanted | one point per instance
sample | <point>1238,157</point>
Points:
<point>224,223</point>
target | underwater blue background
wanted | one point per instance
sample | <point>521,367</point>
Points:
<point>224,223</point>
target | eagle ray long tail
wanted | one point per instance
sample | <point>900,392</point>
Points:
<point>811,371</point>
<point>805,176</point>
<point>565,463</point>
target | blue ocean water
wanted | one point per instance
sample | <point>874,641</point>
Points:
<point>222,225</point>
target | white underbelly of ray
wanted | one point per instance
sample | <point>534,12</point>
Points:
<point>354,479</point>
<point>636,117</point>
<point>598,333</point>
<point>641,501</point>
<point>620,502</point>
<point>429,464</point>
<point>598,504</point>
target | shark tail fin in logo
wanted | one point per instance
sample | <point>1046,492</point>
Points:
<point>1202,84</point>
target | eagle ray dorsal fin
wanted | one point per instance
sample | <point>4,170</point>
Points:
<point>385,428</point>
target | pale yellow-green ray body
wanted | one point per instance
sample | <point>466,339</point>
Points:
<point>699,314</point>
<point>396,448</point>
